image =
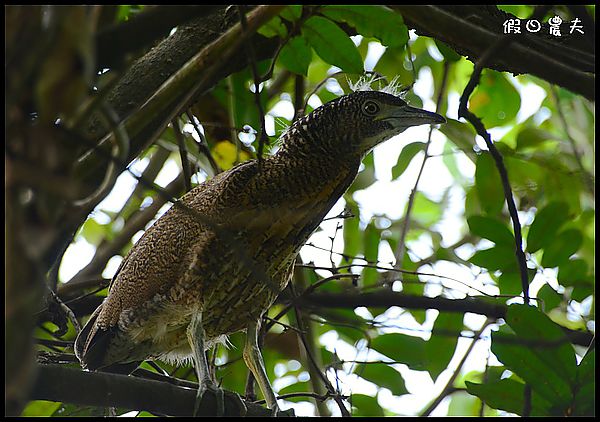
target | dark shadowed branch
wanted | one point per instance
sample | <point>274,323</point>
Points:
<point>56,383</point>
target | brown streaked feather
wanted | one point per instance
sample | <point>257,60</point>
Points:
<point>231,263</point>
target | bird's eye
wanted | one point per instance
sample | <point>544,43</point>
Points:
<point>370,108</point>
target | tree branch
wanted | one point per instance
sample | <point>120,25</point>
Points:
<point>470,30</point>
<point>386,299</point>
<point>197,70</point>
<point>56,383</point>
<point>116,41</point>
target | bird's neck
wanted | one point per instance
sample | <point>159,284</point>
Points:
<point>310,185</point>
<point>317,173</point>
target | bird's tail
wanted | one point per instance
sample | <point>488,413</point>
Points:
<point>92,344</point>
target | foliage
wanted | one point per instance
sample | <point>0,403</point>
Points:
<point>458,227</point>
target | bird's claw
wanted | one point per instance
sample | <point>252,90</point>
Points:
<point>241,405</point>
<point>219,398</point>
<point>276,412</point>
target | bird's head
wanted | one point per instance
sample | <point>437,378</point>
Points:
<point>357,122</point>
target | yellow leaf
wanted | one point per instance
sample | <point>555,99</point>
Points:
<point>226,155</point>
<point>479,100</point>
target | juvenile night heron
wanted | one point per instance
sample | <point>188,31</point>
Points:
<point>195,277</point>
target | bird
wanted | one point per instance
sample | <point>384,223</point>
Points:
<point>216,261</point>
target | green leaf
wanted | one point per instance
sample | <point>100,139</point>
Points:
<point>519,11</point>
<point>40,408</point>
<point>472,203</point>
<point>565,244</point>
<point>402,348</point>
<point>584,403</point>
<point>236,94</point>
<point>93,232</point>
<point>507,394</point>
<point>297,387</point>
<point>464,404</point>
<point>500,257</point>
<point>529,322</point>
<point>124,12</point>
<point>389,65</point>
<point>442,344</point>
<point>495,100</point>
<point>450,160</point>
<point>406,156</point>
<point>491,229</point>
<point>572,272</point>
<point>366,177</point>
<point>585,369</point>
<point>532,137</point>
<point>517,357</point>
<point>273,28</point>
<point>371,21</point>
<point>550,297</point>
<point>371,247</point>
<point>296,55</point>
<point>426,211</point>
<point>538,352</point>
<point>382,375</point>
<point>332,44</point>
<point>363,405</point>
<point>510,283</point>
<point>70,409</point>
<point>582,291</point>
<point>545,225</point>
<point>449,54</point>
<point>291,13</point>
<point>353,236</point>
<point>460,134</point>
<point>488,184</point>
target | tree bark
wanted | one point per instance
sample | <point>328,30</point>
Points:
<point>568,61</point>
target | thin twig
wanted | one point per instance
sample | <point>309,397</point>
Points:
<point>203,144</point>
<point>299,88</point>
<point>337,229</point>
<point>185,164</point>
<point>463,111</point>
<point>306,13</point>
<point>449,388</point>
<point>118,133</point>
<point>326,383</point>
<point>306,292</point>
<point>263,137</point>
<point>415,273</point>
<point>319,397</point>
<point>311,348</point>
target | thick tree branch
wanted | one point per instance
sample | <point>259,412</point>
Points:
<point>115,42</point>
<point>196,70</point>
<point>56,383</point>
<point>386,299</point>
<point>470,30</point>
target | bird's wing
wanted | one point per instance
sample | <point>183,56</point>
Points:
<point>159,258</point>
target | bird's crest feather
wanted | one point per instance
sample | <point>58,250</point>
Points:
<point>368,80</point>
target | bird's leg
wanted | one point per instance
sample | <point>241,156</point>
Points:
<point>254,360</point>
<point>196,337</point>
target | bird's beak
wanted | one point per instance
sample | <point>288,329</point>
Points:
<point>408,116</point>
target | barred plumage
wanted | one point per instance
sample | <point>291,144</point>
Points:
<point>189,282</point>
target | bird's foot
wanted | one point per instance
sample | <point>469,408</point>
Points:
<point>276,412</point>
<point>240,404</point>
<point>219,398</point>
